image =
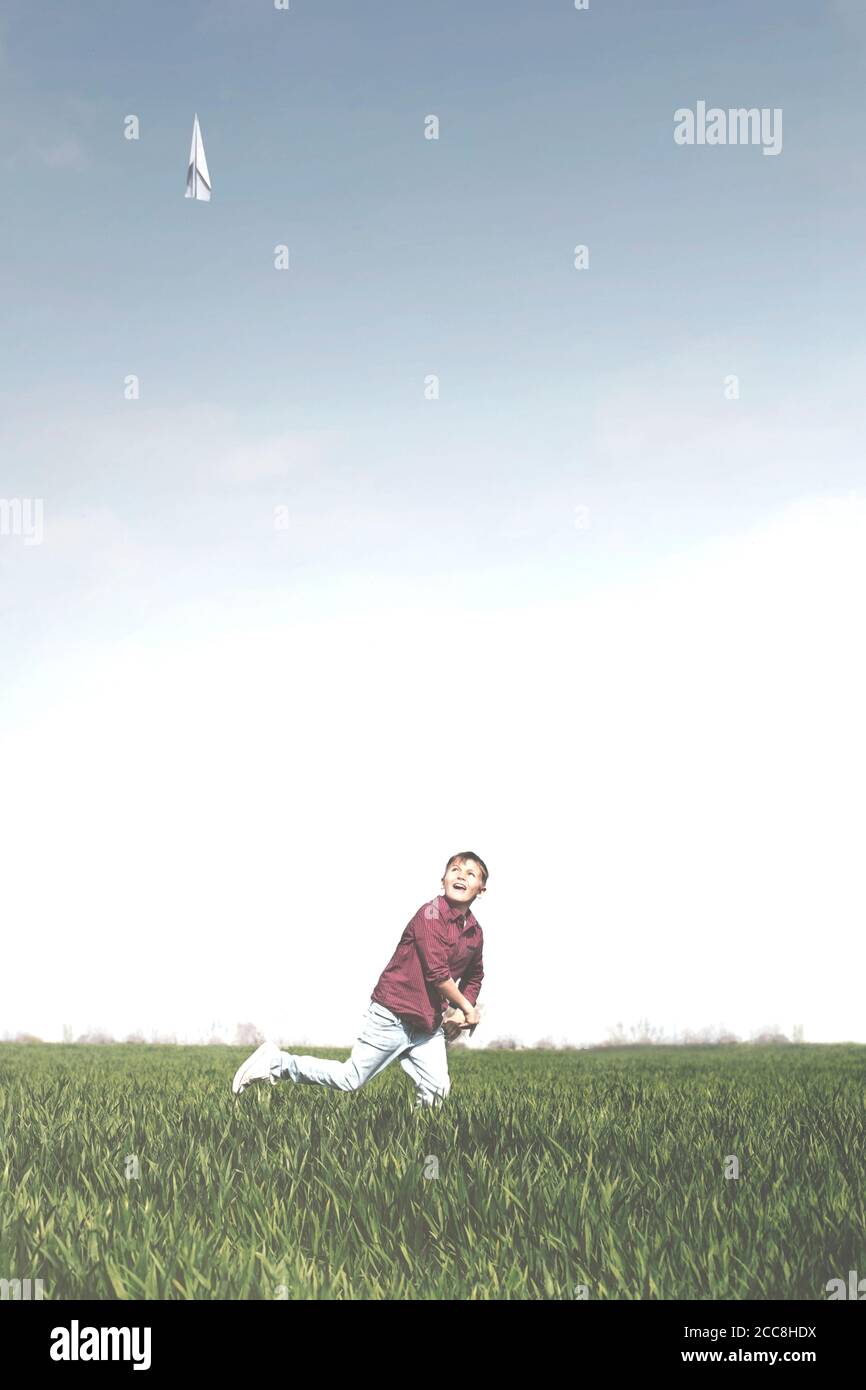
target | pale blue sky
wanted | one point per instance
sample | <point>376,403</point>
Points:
<point>413,256</point>
<point>600,389</point>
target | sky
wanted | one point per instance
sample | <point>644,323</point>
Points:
<point>436,539</point>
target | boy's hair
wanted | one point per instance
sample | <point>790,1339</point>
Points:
<point>469,854</point>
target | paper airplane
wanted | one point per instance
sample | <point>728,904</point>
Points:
<point>197,176</point>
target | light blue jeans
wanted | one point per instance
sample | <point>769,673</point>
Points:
<point>382,1039</point>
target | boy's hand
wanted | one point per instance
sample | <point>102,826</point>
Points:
<point>453,1022</point>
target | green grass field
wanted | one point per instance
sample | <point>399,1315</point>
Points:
<point>544,1172</point>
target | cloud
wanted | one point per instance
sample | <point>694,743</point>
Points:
<point>152,508</point>
<point>43,131</point>
<point>137,449</point>
<point>685,747</point>
<point>67,153</point>
<point>23,146</point>
<point>177,505</point>
<point>287,454</point>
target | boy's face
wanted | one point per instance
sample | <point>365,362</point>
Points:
<point>462,882</point>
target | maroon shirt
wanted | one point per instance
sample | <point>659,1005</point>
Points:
<point>440,943</point>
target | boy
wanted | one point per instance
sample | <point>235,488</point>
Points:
<point>408,1015</point>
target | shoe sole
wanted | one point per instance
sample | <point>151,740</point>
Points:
<point>240,1082</point>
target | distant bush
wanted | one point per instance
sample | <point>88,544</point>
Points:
<point>641,1034</point>
<point>644,1035</point>
<point>248,1035</point>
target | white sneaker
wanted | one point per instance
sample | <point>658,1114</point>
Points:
<point>257,1067</point>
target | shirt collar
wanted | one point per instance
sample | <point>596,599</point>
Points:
<point>451,914</point>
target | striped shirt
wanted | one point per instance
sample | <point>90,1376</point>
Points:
<point>440,943</point>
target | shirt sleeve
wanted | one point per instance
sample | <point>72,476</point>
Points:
<point>470,983</point>
<point>432,943</point>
